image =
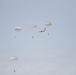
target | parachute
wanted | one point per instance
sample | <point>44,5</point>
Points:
<point>48,24</point>
<point>14,58</point>
<point>17,29</point>
<point>33,26</point>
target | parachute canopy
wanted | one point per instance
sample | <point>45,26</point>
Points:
<point>33,26</point>
<point>17,29</point>
<point>48,24</point>
<point>14,58</point>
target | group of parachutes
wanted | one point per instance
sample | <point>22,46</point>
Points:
<point>18,29</point>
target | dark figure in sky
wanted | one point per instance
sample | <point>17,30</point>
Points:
<point>32,36</point>
<point>43,30</point>
<point>48,33</point>
<point>14,70</point>
<point>15,37</point>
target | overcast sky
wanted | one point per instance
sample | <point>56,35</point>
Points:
<point>53,54</point>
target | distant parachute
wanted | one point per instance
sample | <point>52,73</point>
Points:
<point>17,29</point>
<point>14,58</point>
<point>48,24</point>
<point>33,26</point>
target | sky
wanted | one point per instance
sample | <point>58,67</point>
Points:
<point>52,54</point>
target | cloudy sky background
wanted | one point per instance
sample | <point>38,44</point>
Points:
<point>42,55</point>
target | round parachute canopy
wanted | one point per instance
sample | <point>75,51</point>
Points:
<point>14,58</point>
<point>17,29</point>
<point>33,26</point>
<point>48,24</point>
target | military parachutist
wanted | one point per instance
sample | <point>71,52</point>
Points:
<point>17,29</point>
<point>33,26</point>
<point>14,70</point>
<point>48,33</point>
<point>32,36</point>
<point>43,30</point>
<point>15,36</point>
<point>14,58</point>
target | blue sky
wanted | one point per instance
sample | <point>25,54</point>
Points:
<point>43,55</point>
